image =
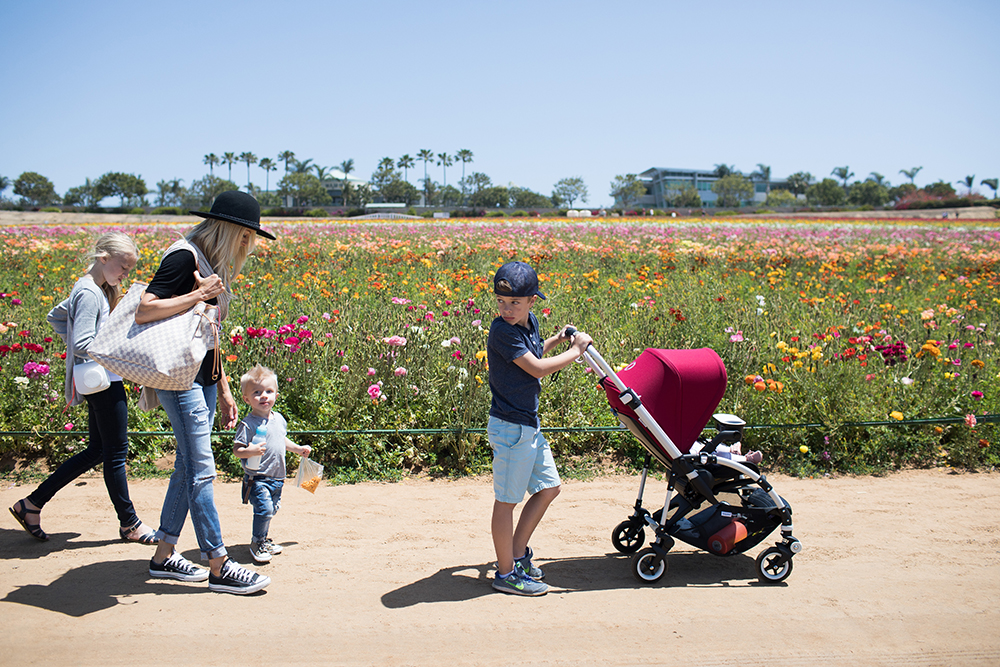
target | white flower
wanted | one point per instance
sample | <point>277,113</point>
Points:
<point>907,381</point>
<point>23,381</point>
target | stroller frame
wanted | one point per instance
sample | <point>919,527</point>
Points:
<point>695,478</point>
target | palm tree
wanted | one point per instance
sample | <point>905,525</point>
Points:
<point>426,155</point>
<point>286,157</point>
<point>268,165</point>
<point>405,162</point>
<point>250,159</point>
<point>211,160</point>
<point>990,182</point>
<point>5,183</point>
<point>229,159</point>
<point>321,172</point>
<point>444,161</point>
<point>723,170</point>
<point>347,166</point>
<point>968,182</point>
<point>302,167</point>
<point>843,173</point>
<point>465,155</point>
<point>910,173</point>
<point>878,178</point>
<point>763,173</point>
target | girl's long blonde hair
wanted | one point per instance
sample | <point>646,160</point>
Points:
<point>221,242</point>
<point>112,244</point>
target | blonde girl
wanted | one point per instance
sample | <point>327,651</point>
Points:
<point>77,321</point>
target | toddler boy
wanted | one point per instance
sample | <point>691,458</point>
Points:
<point>262,487</point>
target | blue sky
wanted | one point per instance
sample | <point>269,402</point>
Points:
<point>537,90</point>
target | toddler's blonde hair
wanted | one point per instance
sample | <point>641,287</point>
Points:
<point>258,375</point>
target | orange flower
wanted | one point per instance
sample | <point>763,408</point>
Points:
<point>231,357</point>
<point>759,386</point>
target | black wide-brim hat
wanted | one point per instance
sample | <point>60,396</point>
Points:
<point>238,208</point>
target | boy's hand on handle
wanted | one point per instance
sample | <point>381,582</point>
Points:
<point>581,341</point>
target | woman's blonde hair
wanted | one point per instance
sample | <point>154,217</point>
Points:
<point>221,242</point>
<point>113,244</point>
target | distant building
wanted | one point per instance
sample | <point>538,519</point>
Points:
<point>334,185</point>
<point>663,184</point>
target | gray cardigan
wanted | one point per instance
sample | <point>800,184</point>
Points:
<point>76,320</point>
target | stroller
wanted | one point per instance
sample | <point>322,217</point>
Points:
<point>666,398</point>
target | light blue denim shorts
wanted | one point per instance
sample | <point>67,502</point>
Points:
<point>522,461</point>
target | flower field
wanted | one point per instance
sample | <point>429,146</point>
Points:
<point>850,346</point>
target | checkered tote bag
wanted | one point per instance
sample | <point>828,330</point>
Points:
<point>165,354</point>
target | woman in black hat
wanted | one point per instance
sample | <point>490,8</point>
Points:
<point>201,267</point>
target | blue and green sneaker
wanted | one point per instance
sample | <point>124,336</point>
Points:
<point>527,568</point>
<point>516,583</point>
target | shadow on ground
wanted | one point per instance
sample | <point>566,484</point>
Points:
<point>89,588</point>
<point>579,575</point>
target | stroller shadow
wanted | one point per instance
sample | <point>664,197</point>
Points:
<point>578,575</point>
<point>96,587</point>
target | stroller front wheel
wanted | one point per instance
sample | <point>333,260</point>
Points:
<point>773,566</point>
<point>628,537</point>
<point>648,566</point>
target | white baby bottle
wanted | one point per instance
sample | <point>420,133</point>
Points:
<point>259,438</point>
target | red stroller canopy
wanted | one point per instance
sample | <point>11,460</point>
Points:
<point>679,388</point>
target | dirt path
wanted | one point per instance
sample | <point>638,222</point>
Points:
<point>903,570</point>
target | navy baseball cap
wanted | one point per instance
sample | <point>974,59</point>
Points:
<point>522,278</point>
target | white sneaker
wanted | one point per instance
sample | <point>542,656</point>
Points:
<point>237,579</point>
<point>260,552</point>
<point>273,547</point>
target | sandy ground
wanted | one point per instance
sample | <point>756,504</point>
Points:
<point>902,570</point>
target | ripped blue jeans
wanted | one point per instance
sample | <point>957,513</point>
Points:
<point>192,414</point>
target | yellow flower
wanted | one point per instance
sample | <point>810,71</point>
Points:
<point>897,415</point>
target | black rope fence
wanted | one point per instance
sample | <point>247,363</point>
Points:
<point>986,418</point>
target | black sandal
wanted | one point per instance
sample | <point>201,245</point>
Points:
<point>145,538</point>
<point>21,515</point>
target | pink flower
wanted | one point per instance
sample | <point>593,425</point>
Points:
<point>302,320</point>
<point>977,395</point>
<point>476,323</point>
<point>375,392</point>
<point>399,372</point>
<point>16,302</point>
<point>395,341</point>
<point>68,426</point>
<point>371,371</point>
<point>344,368</point>
<point>736,337</point>
<point>399,300</point>
<point>970,421</point>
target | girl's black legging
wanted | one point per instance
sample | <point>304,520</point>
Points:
<point>108,425</point>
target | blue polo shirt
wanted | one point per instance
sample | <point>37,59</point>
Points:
<point>515,392</point>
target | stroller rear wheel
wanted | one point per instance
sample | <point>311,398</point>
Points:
<point>648,566</point>
<point>773,566</point>
<point>628,537</point>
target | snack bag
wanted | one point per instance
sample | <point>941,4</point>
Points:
<point>309,475</point>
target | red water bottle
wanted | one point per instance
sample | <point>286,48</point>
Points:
<point>724,540</point>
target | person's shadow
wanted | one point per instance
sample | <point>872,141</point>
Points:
<point>89,588</point>
<point>612,571</point>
